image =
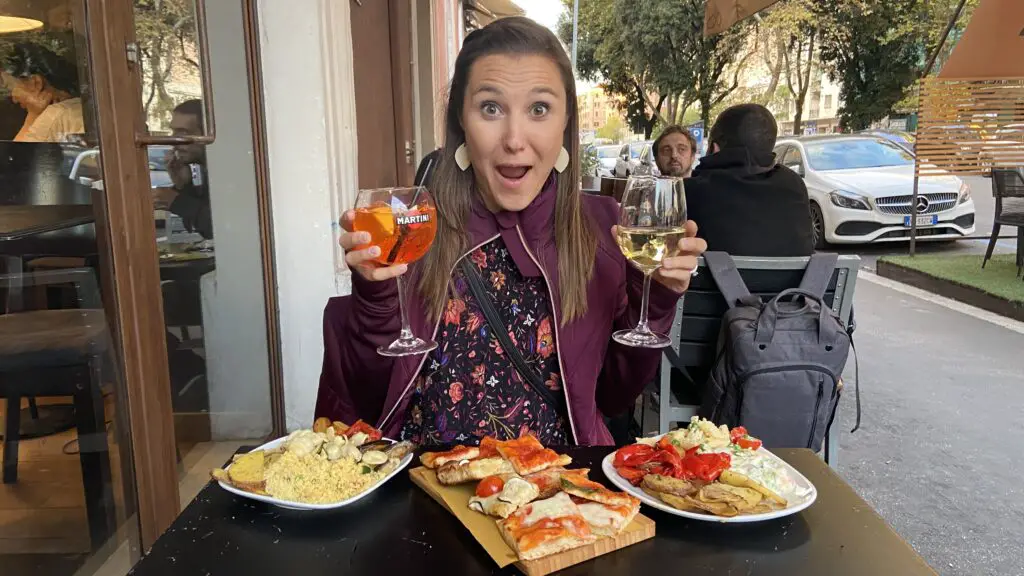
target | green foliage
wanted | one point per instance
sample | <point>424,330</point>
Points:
<point>588,160</point>
<point>874,48</point>
<point>612,129</point>
<point>651,52</point>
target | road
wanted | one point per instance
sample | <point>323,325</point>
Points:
<point>938,454</point>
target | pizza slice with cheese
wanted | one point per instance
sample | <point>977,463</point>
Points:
<point>549,480</point>
<point>515,494</point>
<point>546,527</point>
<point>528,455</point>
<point>458,472</point>
<point>607,512</point>
<point>435,460</point>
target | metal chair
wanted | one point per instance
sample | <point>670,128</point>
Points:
<point>1008,190</point>
<point>698,321</point>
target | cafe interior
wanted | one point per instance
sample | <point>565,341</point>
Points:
<point>70,256</point>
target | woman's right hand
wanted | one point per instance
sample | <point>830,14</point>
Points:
<point>360,257</point>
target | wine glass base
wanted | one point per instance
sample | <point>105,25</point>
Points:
<point>409,347</point>
<point>638,339</point>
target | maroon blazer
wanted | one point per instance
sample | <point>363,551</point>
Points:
<point>599,376</point>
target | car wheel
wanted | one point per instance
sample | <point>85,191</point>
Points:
<point>818,227</point>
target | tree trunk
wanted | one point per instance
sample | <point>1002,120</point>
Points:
<point>705,112</point>
<point>776,72</point>
<point>798,118</point>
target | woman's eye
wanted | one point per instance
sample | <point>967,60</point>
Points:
<point>490,109</point>
<point>539,110</point>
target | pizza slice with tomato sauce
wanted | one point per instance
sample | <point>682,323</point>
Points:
<point>546,527</point>
<point>528,455</point>
<point>433,460</point>
<point>606,512</point>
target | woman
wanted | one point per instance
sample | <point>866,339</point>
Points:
<point>508,200</point>
<point>46,86</point>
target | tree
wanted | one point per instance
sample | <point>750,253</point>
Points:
<point>612,129</point>
<point>873,48</point>
<point>600,57</point>
<point>654,55</point>
<point>165,33</point>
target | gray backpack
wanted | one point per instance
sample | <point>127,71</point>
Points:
<point>778,364</point>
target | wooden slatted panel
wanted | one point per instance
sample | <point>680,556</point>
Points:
<point>968,126</point>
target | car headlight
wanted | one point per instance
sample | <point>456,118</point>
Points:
<point>965,193</point>
<point>845,199</point>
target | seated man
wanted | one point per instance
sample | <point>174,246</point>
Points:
<point>674,151</point>
<point>189,196</point>
<point>744,203</point>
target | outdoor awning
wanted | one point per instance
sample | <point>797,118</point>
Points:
<point>992,44</point>
<point>721,14</point>
<point>971,116</point>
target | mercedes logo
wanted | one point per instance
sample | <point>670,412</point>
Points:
<point>922,204</point>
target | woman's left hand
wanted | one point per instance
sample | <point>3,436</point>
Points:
<point>676,271</point>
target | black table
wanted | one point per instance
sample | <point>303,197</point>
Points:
<point>400,531</point>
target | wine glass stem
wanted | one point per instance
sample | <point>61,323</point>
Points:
<point>642,325</point>
<point>406,333</point>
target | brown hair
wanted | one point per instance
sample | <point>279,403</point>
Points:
<point>675,129</point>
<point>575,241</point>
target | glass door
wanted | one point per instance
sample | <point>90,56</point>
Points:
<point>69,496</point>
<point>135,350</point>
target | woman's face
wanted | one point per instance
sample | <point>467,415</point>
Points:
<point>30,93</point>
<point>514,117</point>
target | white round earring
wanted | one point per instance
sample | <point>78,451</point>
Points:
<point>462,157</point>
<point>563,160</point>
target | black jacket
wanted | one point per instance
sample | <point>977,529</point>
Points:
<point>193,205</point>
<point>746,205</point>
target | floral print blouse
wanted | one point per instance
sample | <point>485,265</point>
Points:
<point>468,388</point>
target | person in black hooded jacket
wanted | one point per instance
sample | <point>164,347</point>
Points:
<point>742,201</point>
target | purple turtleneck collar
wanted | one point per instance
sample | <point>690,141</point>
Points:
<point>536,222</point>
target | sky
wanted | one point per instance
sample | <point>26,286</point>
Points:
<point>546,12</point>
<point>543,11</point>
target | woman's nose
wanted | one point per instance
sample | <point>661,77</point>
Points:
<point>514,140</point>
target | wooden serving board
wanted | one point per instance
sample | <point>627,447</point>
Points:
<point>455,499</point>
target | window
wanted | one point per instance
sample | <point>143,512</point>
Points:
<point>793,159</point>
<point>780,151</point>
<point>850,153</point>
<point>828,102</point>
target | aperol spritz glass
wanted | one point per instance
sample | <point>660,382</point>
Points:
<point>402,222</point>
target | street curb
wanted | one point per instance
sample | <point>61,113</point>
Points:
<point>954,290</point>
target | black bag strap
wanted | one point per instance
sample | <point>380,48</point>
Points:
<point>500,331</point>
<point>727,277</point>
<point>818,274</point>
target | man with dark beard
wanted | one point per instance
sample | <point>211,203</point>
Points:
<point>674,151</point>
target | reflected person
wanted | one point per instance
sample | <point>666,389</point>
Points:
<point>189,193</point>
<point>46,87</point>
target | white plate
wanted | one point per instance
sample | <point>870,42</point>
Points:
<point>795,504</point>
<point>291,505</point>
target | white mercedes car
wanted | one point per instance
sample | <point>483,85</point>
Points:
<point>861,188</point>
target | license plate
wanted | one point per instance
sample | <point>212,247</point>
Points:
<point>922,221</point>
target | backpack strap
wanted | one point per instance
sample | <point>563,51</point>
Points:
<point>727,277</point>
<point>818,274</point>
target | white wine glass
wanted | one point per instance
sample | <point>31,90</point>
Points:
<point>651,223</point>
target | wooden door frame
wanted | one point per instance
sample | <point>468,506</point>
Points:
<point>135,278</point>
<point>400,18</point>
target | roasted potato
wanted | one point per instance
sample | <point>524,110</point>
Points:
<point>739,480</point>
<point>321,424</point>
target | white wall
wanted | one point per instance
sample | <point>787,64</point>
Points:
<point>306,54</point>
<point>235,330</point>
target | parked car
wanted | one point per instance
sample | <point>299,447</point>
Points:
<point>606,158</point>
<point>904,139</point>
<point>629,158</point>
<point>861,189</point>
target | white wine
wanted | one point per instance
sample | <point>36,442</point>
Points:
<point>647,248</point>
